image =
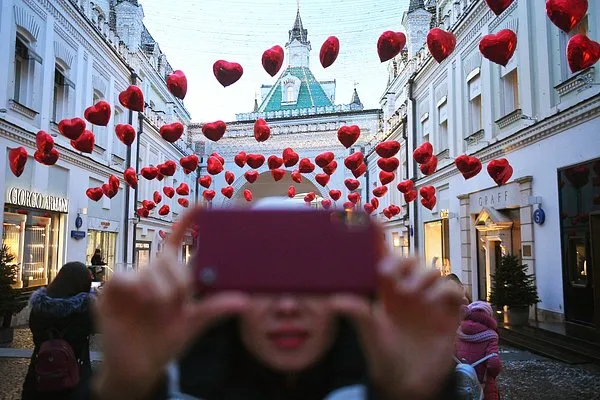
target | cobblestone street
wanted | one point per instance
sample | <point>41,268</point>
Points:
<point>525,375</point>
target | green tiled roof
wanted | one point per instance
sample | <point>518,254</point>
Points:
<point>311,92</point>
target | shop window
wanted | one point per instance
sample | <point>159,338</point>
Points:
<point>106,242</point>
<point>510,92</point>
<point>437,246</point>
<point>142,253</point>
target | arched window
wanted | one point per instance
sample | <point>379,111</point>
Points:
<point>290,94</point>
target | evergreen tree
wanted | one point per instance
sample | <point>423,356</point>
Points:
<point>9,302</point>
<point>511,285</point>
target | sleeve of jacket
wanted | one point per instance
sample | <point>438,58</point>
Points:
<point>447,392</point>
<point>493,365</point>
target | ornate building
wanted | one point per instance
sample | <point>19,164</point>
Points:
<point>302,114</point>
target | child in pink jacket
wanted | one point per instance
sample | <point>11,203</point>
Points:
<point>476,338</point>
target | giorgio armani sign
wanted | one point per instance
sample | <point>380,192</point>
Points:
<point>26,198</point>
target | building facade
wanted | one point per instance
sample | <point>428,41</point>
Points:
<point>58,58</point>
<point>535,113</point>
<point>302,114</point>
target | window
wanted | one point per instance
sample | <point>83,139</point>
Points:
<point>475,106</point>
<point>21,69</point>
<point>290,94</point>
<point>510,92</point>
<point>425,127</point>
<point>582,28</point>
<point>118,148</point>
<point>437,246</point>
<point>442,142</point>
<point>99,131</point>
<point>61,90</point>
<point>106,242</point>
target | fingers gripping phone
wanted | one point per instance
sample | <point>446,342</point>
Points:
<point>285,251</point>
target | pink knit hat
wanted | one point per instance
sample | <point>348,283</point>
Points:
<point>481,305</point>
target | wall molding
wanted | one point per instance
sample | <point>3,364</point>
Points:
<point>27,21</point>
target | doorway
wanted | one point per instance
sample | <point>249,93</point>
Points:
<point>142,253</point>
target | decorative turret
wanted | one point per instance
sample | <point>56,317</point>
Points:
<point>356,103</point>
<point>417,22</point>
<point>298,45</point>
<point>129,21</point>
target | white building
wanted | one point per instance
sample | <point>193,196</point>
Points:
<point>533,112</point>
<point>57,59</point>
<point>302,114</point>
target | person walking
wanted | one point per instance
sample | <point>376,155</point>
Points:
<point>476,339</point>
<point>61,323</point>
<point>98,264</point>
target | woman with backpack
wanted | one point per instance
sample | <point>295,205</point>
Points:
<point>61,324</point>
<point>477,339</point>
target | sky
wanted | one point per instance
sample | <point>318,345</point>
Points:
<point>196,33</point>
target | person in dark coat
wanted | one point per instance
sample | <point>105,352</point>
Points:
<point>65,306</point>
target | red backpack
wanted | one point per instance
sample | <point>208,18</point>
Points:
<point>56,366</point>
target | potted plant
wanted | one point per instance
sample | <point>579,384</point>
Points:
<point>514,288</point>
<point>9,301</point>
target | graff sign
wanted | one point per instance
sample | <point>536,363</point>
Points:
<point>26,198</point>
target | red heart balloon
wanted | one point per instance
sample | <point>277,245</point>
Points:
<point>227,191</point>
<point>85,143</point>
<point>353,161</point>
<point>348,206</point>
<point>386,177</point>
<point>430,167</point>
<point>326,203</point>
<point>440,43</point>
<point>221,159</point>
<point>98,114</point>
<point>149,173</point>
<point>352,184</point>
<point>172,132</point>
<point>248,195</point>
<point>330,168</point>
<point>429,203</point>
<point>132,98</point>
<point>71,128</point>
<point>335,194</point>
<point>499,48</point>
<point>310,197</point>
<point>582,52</point>
<point>388,213</point>
<point>498,6</point>
<point>262,131</point>
<point>227,73</point>
<point>324,159</point>
<point>164,210</point>
<point>329,51</point>
<point>94,194</point>
<point>290,157</point>
<point>125,133</point>
<point>185,203</point>
<point>251,176</point>
<point>229,177</point>
<point>108,191</point>
<point>394,209</point>
<point>427,192</point>
<point>348,135</point>
<point>240,159</point>
<point>148,205</point>
<point>169,191</point>
<point>131,178</point>
<point>160,176</point>
<point>322,179</point>
<point>390,44</point>
<point>380,191</point>
<point>500,171</point>
<point>209,195</point>
<point>468,166</point>
<point>306,167</point>
<point>255,161</point>
<point>214,166</point>
<point>46,158</point>
<point>410,196</point>
<point>566,14</point>
<point>205,181</point>
<point>388,149</point>
<point>296,176</point>
<point>360,171</point>
<point>114,182</point>
<point>214,130</point>
<point>388,164</point>
<point>177,84</point>
<point>272,60</point>
<point>274,162</point>
<point>369,209</point>
<point>143,213</point>
<point>278,174</point>
<point>168,168</point>
<point>189,163</point>
<point>44,142</point>
<point>291,192</point>
<point>406,186</point>
<point>423,153</point>
<point>375,203</point>
<point>157,197</point>
<point>183,189</point>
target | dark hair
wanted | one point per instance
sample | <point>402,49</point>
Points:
<point>97,251</point>
<point>455,278</point>
<point>72,278</point>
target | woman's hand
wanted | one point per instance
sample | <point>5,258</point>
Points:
<point>148,318</point>
<point>408,334</point>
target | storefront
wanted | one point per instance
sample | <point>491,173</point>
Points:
<point>32,230</point>
<point>437,244</point>
<point>143,251</point>
<point>102,235</point>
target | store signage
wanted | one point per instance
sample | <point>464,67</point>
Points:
<point>99,224</point>
<point>78,235</point>
<point>26,198</point>
<point>539,216</point>
<point>508,196</point>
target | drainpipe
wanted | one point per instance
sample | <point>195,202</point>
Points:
<point>413,115</point>
<point>133,80</point>
<point>137,171</point>
<point>407,155</point>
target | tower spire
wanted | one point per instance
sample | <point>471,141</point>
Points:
<point>298,32</point>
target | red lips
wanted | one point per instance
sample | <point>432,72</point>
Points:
<point>329,51</point>
<point>272,60</point>
<point>227,73</point>
<point>17,158</point>
<point>390,44</point>
<point>177,84</point>
<point>98,114</point>
<point>132,98</point>
<point>500,47</point>
<point>214,130</point>
<point>440,43</point>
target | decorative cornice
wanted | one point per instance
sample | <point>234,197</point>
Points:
<point>577,82</point>
<point>509,118</point>
<point>498,21</point>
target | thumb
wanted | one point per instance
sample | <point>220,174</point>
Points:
<point>203,313</point>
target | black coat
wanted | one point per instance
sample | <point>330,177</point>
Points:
<point>217,367</point>
<point>73,317</point>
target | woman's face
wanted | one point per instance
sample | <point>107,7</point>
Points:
<point>288,333</point>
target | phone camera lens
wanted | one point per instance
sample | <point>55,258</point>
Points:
<point>208,276</point>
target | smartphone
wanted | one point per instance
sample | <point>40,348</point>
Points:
<point>285,251</point>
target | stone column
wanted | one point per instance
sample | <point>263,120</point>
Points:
<point>465,242</point>
<point>527,237</point>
